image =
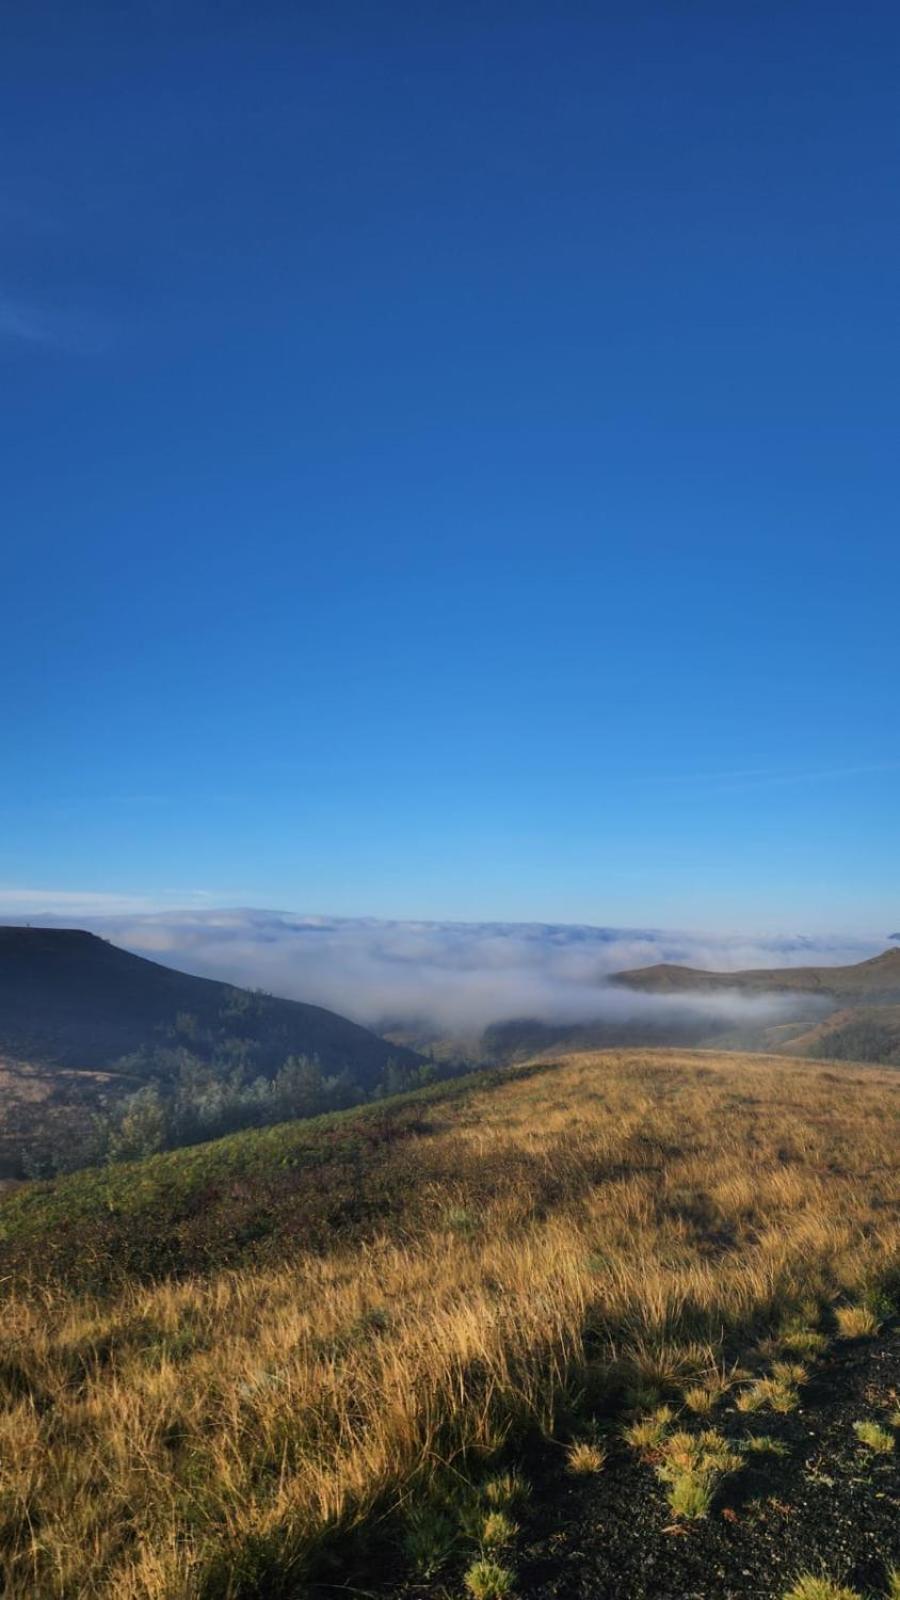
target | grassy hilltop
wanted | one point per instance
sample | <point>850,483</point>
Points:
<point>222,1363</point>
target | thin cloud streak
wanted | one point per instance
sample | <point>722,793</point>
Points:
<point>78,332</point>
<point>767,777</point>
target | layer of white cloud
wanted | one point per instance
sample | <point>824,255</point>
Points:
<point>456,976</point>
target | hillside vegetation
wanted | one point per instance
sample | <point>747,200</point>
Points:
<point>84,1026</point>
<point>70,999</point>
<point>511,1254</point>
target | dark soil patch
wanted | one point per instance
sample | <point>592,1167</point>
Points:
<point>829,1505</point>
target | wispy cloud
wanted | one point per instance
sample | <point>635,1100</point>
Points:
<point>87,904</point>
<point>767,777</point>
<point>19,322</point>
<point>79,331</point>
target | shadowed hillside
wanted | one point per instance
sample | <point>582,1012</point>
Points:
<point>69,999</point>
<point>104,1054</point>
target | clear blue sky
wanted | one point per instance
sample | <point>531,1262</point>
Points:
<point>451,458</point>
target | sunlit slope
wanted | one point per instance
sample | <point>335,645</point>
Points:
<point>875,980</point>
<point>617,1221</point>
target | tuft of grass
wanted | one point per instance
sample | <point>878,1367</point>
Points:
<point>497,1529</point>
<point>764,1444</point>
<point>486,1580</point>
<point>647,1433</point>
<point>428,1539</point>
<point>811,1587</point>
<point>505,1489</point>
<point>584,1457</point>
<point>693,1467</point>
<point>699,1399</point>
<point>691,1495</point>
<point>778,1392</point>
<point>790,1372</point>
<point>803,1341</point>
<point>874,1437</point>
<point>856,1322</point>
<point>893,1584</point>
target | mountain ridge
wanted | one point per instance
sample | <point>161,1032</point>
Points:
<point>878,976</point>
<point>69,998</point>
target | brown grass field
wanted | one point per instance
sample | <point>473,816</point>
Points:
<point>647,1215</point>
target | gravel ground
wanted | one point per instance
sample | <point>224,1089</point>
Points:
<point>829,1505</point>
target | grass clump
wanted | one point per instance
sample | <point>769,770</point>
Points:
<point>764,1444</point>
<point>810,1587</point>
<point>647,1433</point>
<point>693,1467</point>
<point>487,1580</point>
<point>699,1399</point>
<point>582,1457</point>
<point>428,1539</point>
<point>779,1392</point>
<point>803,1341</point>
<point>691,1495</point>
<point>874,1437</point>
<point>893,1584</point>
<point>790,1372</point>
<point>505,1489</point>
<point>497,1529</point>
<point>856,1322</point>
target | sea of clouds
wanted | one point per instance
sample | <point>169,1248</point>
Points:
<point>453,976</point>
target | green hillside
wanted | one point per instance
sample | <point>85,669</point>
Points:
<point>259,1194</point>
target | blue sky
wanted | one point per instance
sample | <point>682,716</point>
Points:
<point>452,460</point>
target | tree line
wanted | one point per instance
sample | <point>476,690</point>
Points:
<point>186,1098</point>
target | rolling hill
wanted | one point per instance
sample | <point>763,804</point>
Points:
<point>875,980</point>
<point>848,1013</point>
<point>428,1348</point>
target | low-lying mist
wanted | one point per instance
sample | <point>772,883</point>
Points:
<point>457,978</point>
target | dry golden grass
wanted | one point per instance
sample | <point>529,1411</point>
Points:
<point>583,1457</point>
<point>199,1438</point>
<point>856,1322</point>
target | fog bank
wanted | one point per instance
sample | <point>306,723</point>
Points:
<point>458,977</point>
